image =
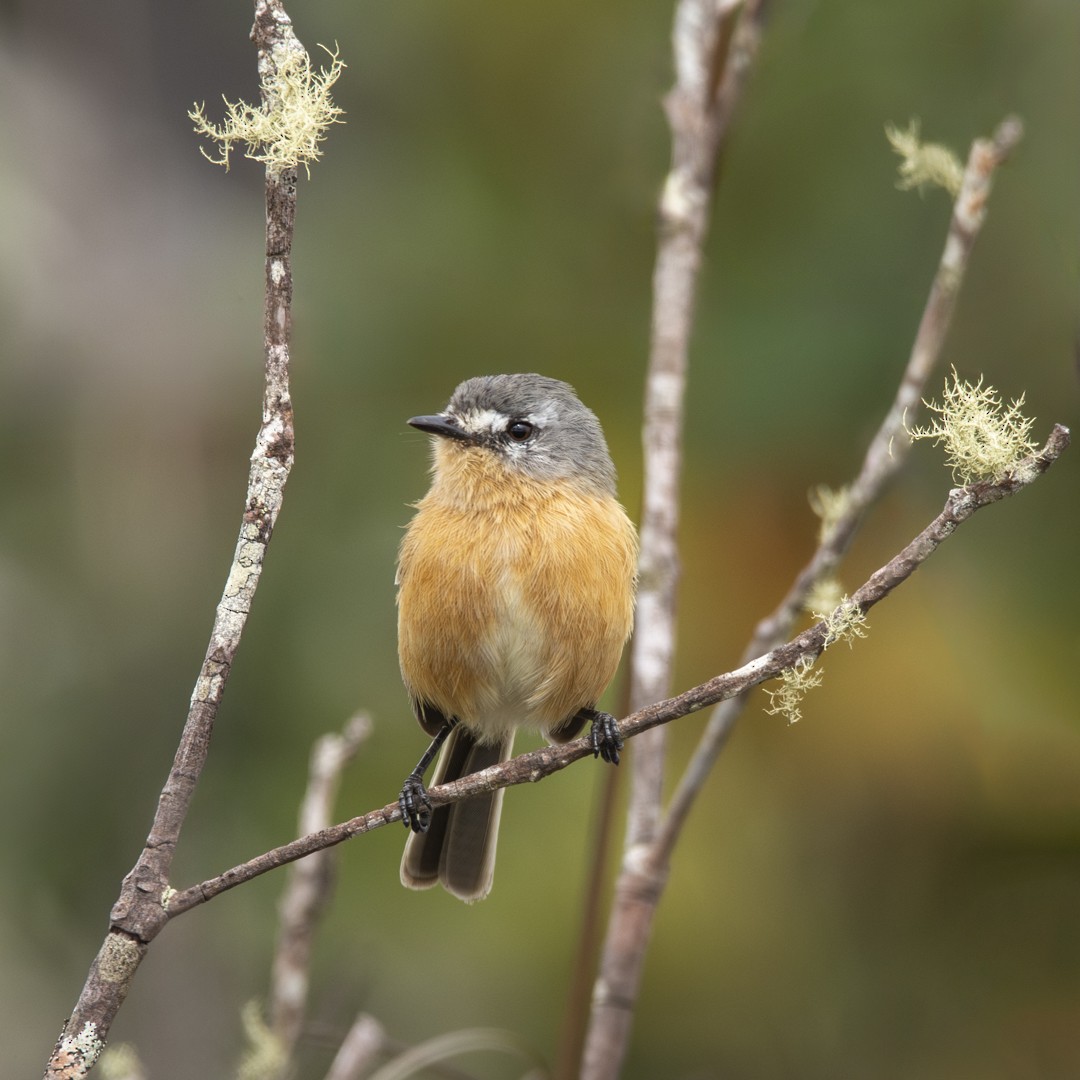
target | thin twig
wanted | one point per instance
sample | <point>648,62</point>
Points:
<point>310,884</point>
<point>139,913</point>
<point>361,1047</point>
<point>437,1052</point>
<point>535,765</point>
<point>884,458</point>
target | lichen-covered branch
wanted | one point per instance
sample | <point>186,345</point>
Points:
<point>288,128</point>
<point>140,912</point>
<point>884,457</point>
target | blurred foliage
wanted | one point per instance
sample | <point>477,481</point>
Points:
<point>889,888</point>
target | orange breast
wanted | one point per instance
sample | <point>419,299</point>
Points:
<point>513,610</point>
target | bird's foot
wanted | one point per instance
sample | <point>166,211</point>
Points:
<point>415,804</point>
<point>604,737</point>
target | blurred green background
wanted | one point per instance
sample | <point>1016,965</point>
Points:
<point>890,888</point>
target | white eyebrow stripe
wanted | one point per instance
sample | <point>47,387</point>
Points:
<point>480,420</point>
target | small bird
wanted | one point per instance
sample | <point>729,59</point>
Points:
<point>516,581</point>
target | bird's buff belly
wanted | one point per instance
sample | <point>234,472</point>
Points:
<point>502,631</point>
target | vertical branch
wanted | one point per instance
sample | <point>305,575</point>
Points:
<point>702,30</point>
<point>141,909</point>
<point>309,886</point>
<point>714,43</point>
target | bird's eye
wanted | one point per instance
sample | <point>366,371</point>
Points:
<point>519,430</point>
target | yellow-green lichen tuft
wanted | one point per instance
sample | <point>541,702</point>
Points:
<point>984,439</point>
<point>829,505</point>
<point>264,1058</point>
<point>286,132</point>
<point>845,622</point>
<point>795,683</point>
<point>121,1062</point>
<point>825,595</point>
<point>924,163</point>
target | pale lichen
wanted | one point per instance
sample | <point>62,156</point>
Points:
<point>924,163</point>
<point>984,439</point>
<point>118,959</point>
<point>286,131</point>
<point>75,1055</point>
<point>795,683</point>
<point>844,622</point>
<point>121,1062</point>
<point>830,506</point>
<point>823,596</point>
<point>265,1056</point>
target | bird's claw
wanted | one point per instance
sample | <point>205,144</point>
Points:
<point>605,738</point>
<point>415,805</point>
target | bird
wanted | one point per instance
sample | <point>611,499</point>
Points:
<point>516,582</point>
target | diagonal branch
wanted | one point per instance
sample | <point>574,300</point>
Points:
<point>535,765</point>
<point>884,458</point>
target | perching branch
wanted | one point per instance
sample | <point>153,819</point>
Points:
<point>535,765</point>
<point>140,911</point>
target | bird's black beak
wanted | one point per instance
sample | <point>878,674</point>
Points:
<point>445,426</point>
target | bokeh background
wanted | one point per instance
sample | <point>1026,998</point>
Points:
<point>890,888</point>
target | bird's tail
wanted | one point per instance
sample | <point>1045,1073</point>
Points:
<point>458,849</point>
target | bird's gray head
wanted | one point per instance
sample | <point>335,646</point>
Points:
<point>534,424</point>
